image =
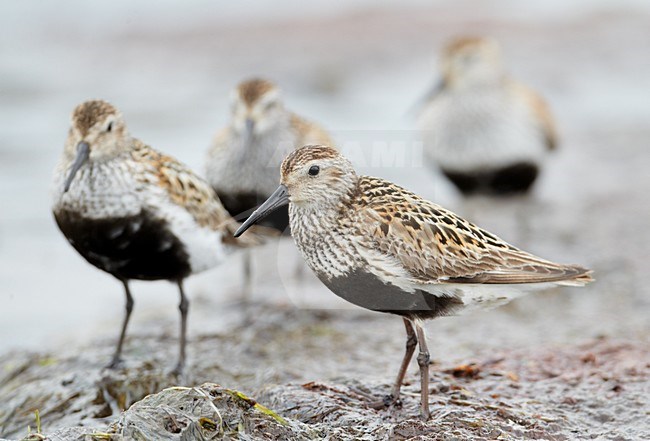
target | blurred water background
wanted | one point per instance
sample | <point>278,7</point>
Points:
<point>356,67</point>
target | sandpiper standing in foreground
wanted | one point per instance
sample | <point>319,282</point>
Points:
<point>243,162</point>
<point>486,132</point>
<point>134,212</point>
<point>386,249</point>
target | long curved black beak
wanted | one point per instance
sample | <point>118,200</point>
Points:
<point>83,152</point>
<point>279,198</point>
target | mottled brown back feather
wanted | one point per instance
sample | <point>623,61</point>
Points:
<point>194,194</point>
<point>309,132</point>
<point>435,245</point>
<point>542,114</point>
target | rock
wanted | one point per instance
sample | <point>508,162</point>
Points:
<point>204,413</point>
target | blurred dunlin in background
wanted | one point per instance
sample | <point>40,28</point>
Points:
<point>243,162</point>
<point>487,132</point>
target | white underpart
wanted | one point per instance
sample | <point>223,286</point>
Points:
<point>483,128</point>
<point>482,296</point>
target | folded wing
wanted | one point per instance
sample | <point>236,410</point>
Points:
<point>436,246</point>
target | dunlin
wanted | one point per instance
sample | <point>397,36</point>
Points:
<point>244,159</point>
<point>386,249</point>
<point>485,131</point>
<point>134,212</point>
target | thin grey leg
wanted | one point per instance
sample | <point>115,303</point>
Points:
<point>423,362</point>
<point>411,342</point>
<point>115,362</point>
<point>183,307</point>
<point>248,277</point>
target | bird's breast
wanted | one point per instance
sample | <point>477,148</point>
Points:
<point>324,245</point>
<point>99,191</point>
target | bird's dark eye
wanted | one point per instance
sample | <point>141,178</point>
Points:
<point>313,170</point>
<point>109,127</point>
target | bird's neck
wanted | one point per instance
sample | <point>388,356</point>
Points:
<point>319,236</point>
<point>324,217</point>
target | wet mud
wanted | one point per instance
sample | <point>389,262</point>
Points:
<point>315,388</point>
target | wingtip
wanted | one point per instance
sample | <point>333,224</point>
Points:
<point>582,277</point>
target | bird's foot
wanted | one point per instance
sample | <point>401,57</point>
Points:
<point>178,370</point>
<point>115,363</point>
<point>386,401</point>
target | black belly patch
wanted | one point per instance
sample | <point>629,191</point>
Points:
<point>241,205</point>
<point>515,178</point>
<point>133,247</point>
<point>366,290</point>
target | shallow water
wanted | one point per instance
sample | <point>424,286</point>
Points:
<point>357,69</point>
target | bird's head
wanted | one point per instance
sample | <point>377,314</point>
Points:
<point>256,107</point>
<point>471,61</point>
<point>97,133</point>
<point>314,177</point>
